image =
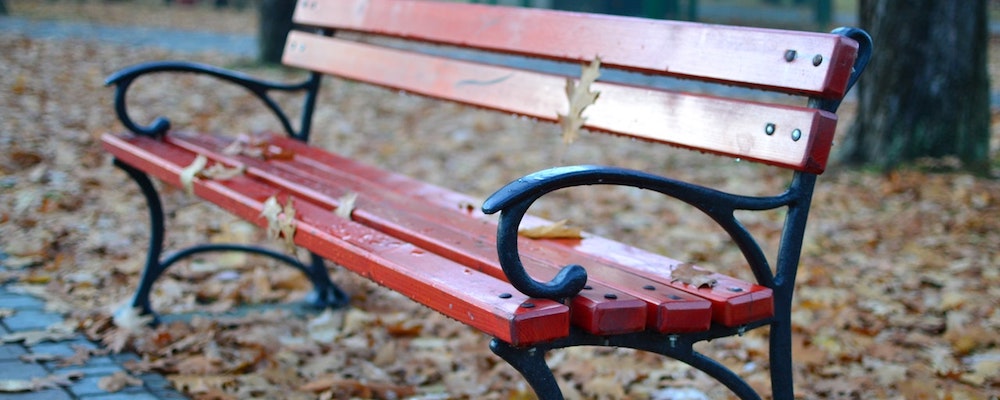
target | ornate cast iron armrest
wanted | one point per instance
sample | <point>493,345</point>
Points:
<point>514,199</point>
<point>123,78</point>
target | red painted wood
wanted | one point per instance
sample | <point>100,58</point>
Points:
<point>723,126</point>
<point>466,241</point>
<point>735,55</point>
<point>398,204</point>
<point>605,259</point>
<point>452,289</point>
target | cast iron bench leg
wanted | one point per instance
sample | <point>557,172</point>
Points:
<point>325,293</point>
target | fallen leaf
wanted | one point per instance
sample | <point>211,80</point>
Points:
<point>556,230</point>
<point>689,274</point>
<point>286,224</point>
<point>219,171</point>
<point>118,381</point>
<point>37,384</point>
<point>31,338</point>
<point>270,213</point>
<point>580,97</point>
<point>346,206</point>
<point>189,172</point>
<point>7,312</point>
<point>131,318</point>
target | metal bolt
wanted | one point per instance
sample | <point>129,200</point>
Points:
<point>588,287</point>
<point>649,287</point>
<point>796,135</point>
<point>528,304</point>
<point>610,296</point>
<point>735,289</point>
<point>673,340</point>
<point>817,60</point>
<point>769,129</point>
<point>790,55</point>
<point>506,295</point>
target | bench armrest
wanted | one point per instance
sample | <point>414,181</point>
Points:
<point>123,78</point>
<point>514,199</point>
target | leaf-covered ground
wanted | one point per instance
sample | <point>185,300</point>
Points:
<point>899,282</point>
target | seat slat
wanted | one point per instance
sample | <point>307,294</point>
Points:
<point>724,126</point>
<point>673,48</point>
<point>461,293</point>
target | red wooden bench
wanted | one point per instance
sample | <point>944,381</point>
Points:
<point>417,239</point>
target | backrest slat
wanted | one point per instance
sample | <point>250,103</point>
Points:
<point>742,129</point>
<point>810,64</point>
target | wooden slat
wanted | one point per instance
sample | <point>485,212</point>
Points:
<point>736,55</point>
<point>452,289</point>
<point>730,127</point>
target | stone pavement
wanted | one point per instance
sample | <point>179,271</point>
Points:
<point>29,315</point>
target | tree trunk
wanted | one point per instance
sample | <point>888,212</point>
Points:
<point>926,91</point>
<point>3,8</point>
<point>275,22</point>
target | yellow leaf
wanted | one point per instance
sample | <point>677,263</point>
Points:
<point>189,172</point>
<point>557,230</point>
<point>346,206</point>
<point>691,275</point>
<point>580,97</point>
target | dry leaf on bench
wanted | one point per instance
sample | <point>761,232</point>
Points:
<point>189,172</point>
<point>346,206</point>
<point>580,97</point>
<point>691,275</point>
<point>556,230</point>
<point>118,381</point>
<point>220,172</point>
<point>280,221</point>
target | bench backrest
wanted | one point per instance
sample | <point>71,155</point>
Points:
<point>365,40</point>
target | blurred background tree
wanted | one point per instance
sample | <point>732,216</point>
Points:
<point>275,21</point>
<point>925,93</point>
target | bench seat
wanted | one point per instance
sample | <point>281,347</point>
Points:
<point>435,227</point>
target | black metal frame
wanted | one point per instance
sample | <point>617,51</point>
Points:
<point>514,200</point>
<point>325,293</point>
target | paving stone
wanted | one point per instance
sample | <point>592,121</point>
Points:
<point>88,386</point>
<point>16,369</point>
<point>90,369</point>
<point>11,351</point>
<point>21,302</point>
<point>64,349</point>
<point>47,394</point>
<point>121,396</point>
<point>26,320</point>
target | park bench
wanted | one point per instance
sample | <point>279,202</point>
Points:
<point>432,245</point>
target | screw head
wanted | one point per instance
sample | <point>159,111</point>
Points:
<point>790,55</point>
<point>796,135</point>
<point>769,129</point>
<point>817,60</point>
